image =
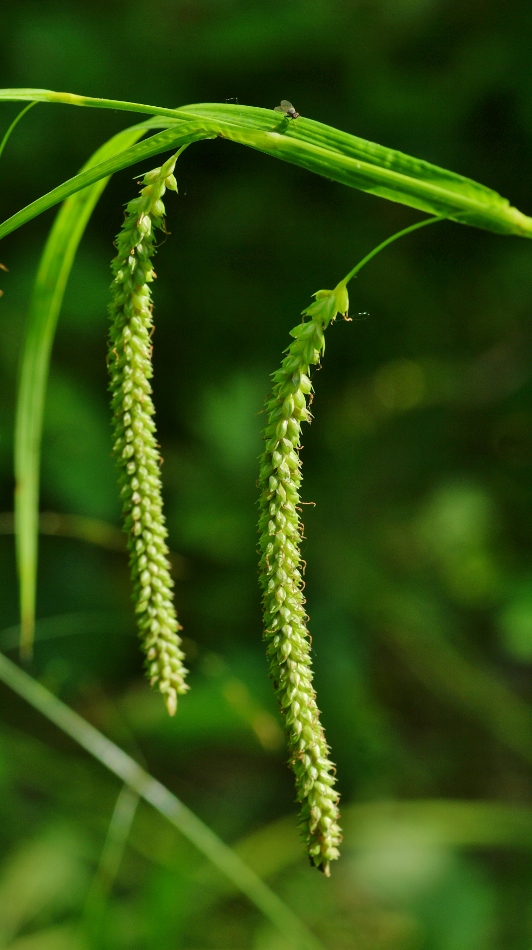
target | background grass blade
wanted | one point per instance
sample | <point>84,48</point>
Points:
<point>153,792</point>
<point>317,147</point>
<point>50,284</point>
<point>14,124</point>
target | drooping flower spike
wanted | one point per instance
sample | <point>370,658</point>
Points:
<point>135,447</point>
<point>285,620</point>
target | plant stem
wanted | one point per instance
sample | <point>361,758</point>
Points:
<point>390,240</point>
<point>13,125</point>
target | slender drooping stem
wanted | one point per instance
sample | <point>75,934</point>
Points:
<point>285,626</point>
<point>135,446</point>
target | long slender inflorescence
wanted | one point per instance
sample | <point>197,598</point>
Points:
<point>285,619</point>
<point>135,447</point>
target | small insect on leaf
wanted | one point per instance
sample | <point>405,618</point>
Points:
<point>233,102</point>
<point>288,109</point>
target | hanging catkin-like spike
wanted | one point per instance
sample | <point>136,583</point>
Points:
<point>285,627</point>
<point>135,447</point>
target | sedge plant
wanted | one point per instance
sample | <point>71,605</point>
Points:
<point>320,149</point>
<point>135,447</point>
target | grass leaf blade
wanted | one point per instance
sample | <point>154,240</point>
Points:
<point>14,124</point>
<point>50,284</point>
<point>324,150</point>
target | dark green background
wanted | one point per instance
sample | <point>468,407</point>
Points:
<point>419,459</point>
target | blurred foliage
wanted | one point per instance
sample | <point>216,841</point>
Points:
<point>419,578</point>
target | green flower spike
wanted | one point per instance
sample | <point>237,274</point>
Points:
<point>135,447</point>
<point>281,579</point>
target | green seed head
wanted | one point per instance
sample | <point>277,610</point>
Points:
<point>135,447</point>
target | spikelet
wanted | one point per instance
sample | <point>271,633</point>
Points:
<point>286,634</point>
<point>135,447</point>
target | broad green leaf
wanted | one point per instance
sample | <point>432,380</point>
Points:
<point>324,136</point>
<point>50,284</point>
<point>312,145</point>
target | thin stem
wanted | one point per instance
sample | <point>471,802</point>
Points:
<point>127,770</point>
<point>14,123</point>
<point>109,864</point>
<point>380,247</point>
